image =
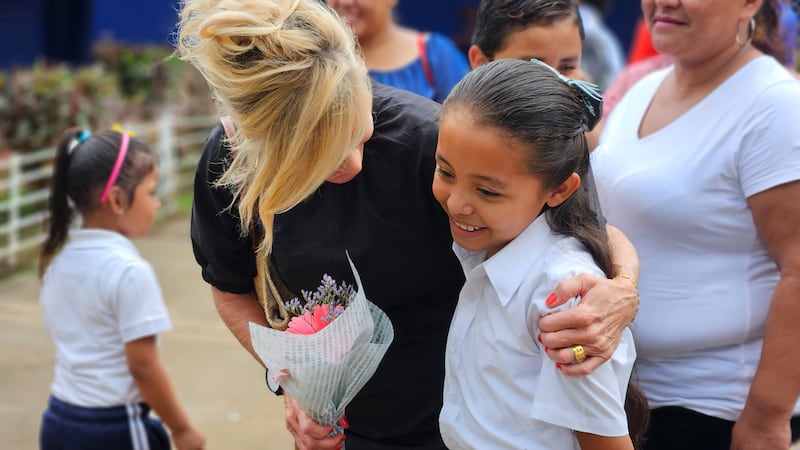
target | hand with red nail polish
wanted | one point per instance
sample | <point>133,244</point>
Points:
<point>606,307</point>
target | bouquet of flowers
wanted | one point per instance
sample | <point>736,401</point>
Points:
<point>332,347</point>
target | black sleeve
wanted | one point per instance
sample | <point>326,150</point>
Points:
<point>224,253</point>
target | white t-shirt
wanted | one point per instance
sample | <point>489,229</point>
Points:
<point>97,295</point>
<point>501,390</point>
<point>680,195</point>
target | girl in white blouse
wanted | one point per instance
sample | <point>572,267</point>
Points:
<point>510,159</point>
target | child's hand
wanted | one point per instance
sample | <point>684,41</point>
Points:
<point>189,438</point>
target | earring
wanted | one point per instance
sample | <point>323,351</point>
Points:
<point>120,212</point>
<point>751,30</point>
<point>738,39</point>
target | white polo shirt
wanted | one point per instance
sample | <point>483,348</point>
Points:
<point>501,390</point>
<point>97,295</point>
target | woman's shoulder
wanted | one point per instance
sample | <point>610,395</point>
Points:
<point>404,107</point>
<point>450,58</point>
<point>438,40</point>
<point>766,91</point>
<point>768,77</point>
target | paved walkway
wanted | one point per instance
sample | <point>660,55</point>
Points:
<point>221,386</point>
<point>219,383</point>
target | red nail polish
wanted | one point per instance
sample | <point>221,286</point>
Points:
<point>546,349</point>
<point>558,366</point>
<point>539,337</point>
<point>550,299</point>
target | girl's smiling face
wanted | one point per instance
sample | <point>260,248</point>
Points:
<point>483,183</point>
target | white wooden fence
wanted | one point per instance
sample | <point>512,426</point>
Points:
<point>24,181</point>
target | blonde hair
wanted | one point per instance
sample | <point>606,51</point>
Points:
<point>289,74</point>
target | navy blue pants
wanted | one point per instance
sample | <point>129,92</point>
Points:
<point>128,427</point>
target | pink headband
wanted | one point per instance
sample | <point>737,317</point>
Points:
<point>123,150</point>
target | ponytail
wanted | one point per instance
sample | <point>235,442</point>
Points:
<point>574,217</point>
<point>61,214</point>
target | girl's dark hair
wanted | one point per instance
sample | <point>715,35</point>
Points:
<point>767,36</point>
<point>498,19</point>
<point>529,104</point>
<point>80,173</point>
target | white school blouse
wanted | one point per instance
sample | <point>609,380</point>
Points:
<point>97,295</point>
<point>501,390</point>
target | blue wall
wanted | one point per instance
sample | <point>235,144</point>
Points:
<point>140,21</point>
<point>432,15</point>
<point>443,16</point>
<point>21,32</point>
<point>64,31</point>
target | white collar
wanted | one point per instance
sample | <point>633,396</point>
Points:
<point>508,268</point>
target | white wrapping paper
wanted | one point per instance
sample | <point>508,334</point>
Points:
<point>325,370</point>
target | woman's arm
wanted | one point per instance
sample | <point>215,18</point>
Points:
<point>237,311</point>
<point>153,382</point>
<point>764,423</point>
<point>606,308</point>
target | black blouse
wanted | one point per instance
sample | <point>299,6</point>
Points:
<point>399,239</point>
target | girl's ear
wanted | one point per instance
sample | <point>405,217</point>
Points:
<point>117,200</point>
<point>476,57</point>
<point>564,190</point>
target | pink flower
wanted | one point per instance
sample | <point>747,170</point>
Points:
<point>313,321</point>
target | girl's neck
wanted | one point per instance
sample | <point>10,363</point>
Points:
<point>100,219</point>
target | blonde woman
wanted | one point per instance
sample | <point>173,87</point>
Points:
<point>307,166</point>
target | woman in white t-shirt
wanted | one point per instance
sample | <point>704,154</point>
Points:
<point>699,165</point>
<point>511,155</point>
<point>102,304</point>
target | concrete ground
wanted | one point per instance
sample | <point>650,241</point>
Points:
<point>220,385</point>
<point>218,382</point>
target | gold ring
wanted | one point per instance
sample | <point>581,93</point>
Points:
<point>579,353</point>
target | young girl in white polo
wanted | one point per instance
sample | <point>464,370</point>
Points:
<point>102,304</point>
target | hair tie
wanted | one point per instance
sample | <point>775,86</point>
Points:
<point>588,93</point>
<point>118,128</point>
<point>84,135</point>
